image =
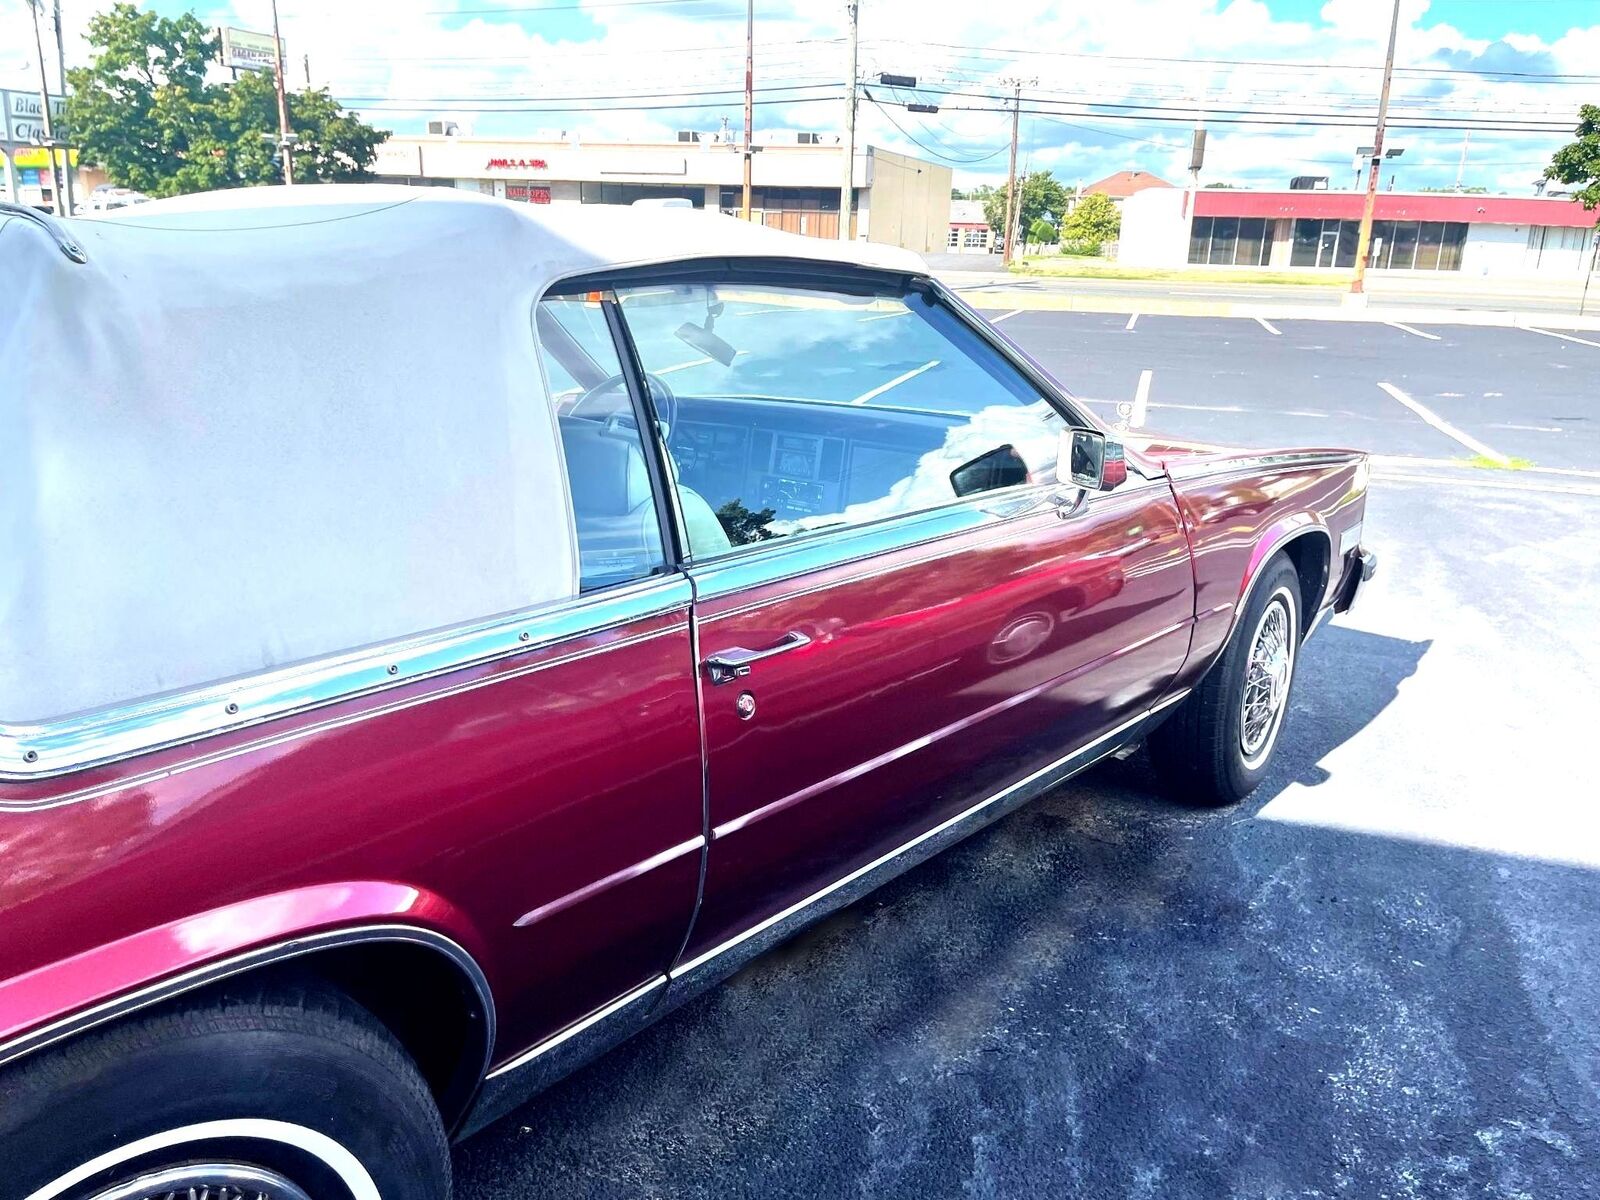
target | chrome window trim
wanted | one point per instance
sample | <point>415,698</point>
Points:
<point>41,750</point>
<point>299,946</point>
<point>781,559</point>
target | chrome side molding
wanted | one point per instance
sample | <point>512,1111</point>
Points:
<point>44,749</point>
<point>537,1068</point>
<point>65,242</point>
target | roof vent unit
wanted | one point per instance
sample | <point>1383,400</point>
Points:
<point>809,139</point>
<point>444,128</point>
<point>688,135</point>
<point>1309,183</point>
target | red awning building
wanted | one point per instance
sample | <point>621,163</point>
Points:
<point>1316,230</point>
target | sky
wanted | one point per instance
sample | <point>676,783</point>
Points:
<point>1108,85</point>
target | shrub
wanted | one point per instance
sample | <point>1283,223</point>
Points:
<point>1084,247</point>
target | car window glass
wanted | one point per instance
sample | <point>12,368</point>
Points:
<point>613,506</point>
<point>795,409</point>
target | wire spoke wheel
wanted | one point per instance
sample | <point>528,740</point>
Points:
<point>1268,672</point>
<point>206,1181</point>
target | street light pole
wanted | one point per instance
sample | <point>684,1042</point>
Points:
<point>59,194</point>
<point>285,140</point>
<point>1369,205</point>
<point>847,189</point>
<point>749,100</point>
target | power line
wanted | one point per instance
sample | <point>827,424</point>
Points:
<point>942,157</point>
<point>542,8</point>
<point>1297,68</point>
<point>707,93</point>
<point>487,108</point>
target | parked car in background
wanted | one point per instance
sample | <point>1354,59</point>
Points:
<point>589,599</point>
<point>108,198</point>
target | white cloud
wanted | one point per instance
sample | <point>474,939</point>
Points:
<point>424,64</point>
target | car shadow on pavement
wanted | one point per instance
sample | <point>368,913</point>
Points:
<point>1107,995</point>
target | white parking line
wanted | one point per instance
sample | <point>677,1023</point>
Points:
<point>1005,316</point>
<point>1268,326</point>
<point>1141,400</point>
<point>895,382</point>
<point>1566,337</point>
<point>1477,483</point>
<point>1444,427</point>
<point>1432,337</point>
<point>1131,320</point>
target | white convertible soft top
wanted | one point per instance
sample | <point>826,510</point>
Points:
<point>260,427</point>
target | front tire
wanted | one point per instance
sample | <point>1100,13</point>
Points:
<point>1217,747</point>
<point>279,1090</point>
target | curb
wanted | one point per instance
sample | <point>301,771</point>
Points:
<point>1030,301</point>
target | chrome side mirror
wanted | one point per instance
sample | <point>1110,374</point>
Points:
<point>1097,462</point>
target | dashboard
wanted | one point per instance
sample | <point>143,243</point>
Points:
<point>797,458</point>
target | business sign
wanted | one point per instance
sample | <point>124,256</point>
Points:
<point>517,164</point>
<point>23,117</point>
<point>246,51</point>
<point>39,157</point>
<point>528,193</point>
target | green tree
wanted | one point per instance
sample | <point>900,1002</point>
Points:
<point>143,104</point>
<point>1579,162</point>
<point>331,145</point>
<point>144,111</point>
<point>1042,231</point>
<point>1093,220</point>
<point>1040,192</point>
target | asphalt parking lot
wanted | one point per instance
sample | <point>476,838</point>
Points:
<point>1376,978</point>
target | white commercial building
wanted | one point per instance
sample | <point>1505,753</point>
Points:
<point>1473,235</point>
<point>899,200</point>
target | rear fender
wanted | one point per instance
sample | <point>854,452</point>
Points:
<point>107,982</point>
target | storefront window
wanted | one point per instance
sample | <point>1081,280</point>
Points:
<point>627,193</point>
<point>1455,237</point>
<point>1230,241</point>
<point>1255,243</point>
<point>1429,238</point>
<point>1307,239</point>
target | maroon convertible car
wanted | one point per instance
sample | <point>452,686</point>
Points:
<point>438,637</point>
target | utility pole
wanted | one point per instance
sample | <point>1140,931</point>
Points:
<point>1369,205</point>
<point>285,139</point>
<point>847,189</point>
<point>59,196</point>
<point>1011,171</point>
<point>1594,261</point>
<point>1461,167</point>
<point>66,151</point>
<point>749,100</point>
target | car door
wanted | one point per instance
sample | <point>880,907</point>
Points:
<point>900,612</point>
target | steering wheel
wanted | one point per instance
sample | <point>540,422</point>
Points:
<point>662,399</point>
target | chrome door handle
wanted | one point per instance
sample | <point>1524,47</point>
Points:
<point>734,662</point>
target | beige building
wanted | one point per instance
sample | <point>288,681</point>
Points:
<point>899,200</point>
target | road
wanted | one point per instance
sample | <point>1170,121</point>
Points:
<point>1374,978</point>
<point>1516,392</point>
<point>973,274</point>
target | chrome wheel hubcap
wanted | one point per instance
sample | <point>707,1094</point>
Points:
<point>1268,671</point>
<point>207,1181</point>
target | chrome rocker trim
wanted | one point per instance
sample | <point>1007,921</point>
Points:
<point>534,1070</point>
